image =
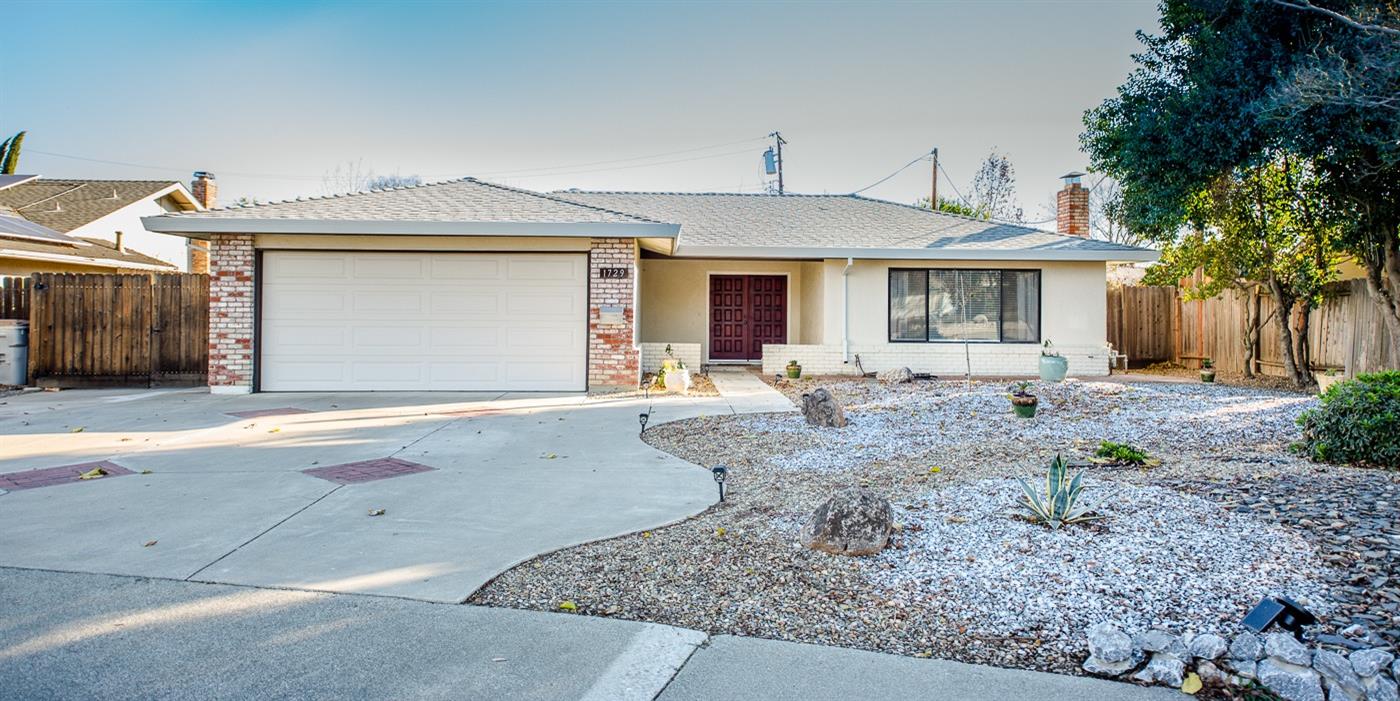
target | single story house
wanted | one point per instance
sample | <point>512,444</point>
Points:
<point>98,226</point>
<point>468,285</point>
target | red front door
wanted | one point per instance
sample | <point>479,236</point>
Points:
<point>746,311</point>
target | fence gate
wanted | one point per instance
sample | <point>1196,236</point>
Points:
<point>107,330</point>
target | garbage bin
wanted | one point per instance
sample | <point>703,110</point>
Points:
<point>14,351</point>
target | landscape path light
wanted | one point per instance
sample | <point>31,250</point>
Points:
<point>720,472</point>
<point>1281,611</point>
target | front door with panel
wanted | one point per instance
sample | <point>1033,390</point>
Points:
<point>746,311</point>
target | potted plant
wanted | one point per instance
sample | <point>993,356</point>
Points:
<point>794,371</point>
<point>1022,401</point>
<point>1207,370</point>
<point>1327,379</point>
<point>674,375</point>
<point>1053,366</point>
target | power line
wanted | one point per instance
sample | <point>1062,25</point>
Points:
<point>897,172</point>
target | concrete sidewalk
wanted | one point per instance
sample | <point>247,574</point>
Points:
<point>66,636</point>
<point>746,393</point>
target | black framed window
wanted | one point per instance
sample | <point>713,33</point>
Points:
<point>958,304</point>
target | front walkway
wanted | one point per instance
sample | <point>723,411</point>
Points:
<point>746,393</point>
<point>93,636</point>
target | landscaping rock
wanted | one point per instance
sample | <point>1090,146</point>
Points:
<point>853,521</point>
<point>821,409</point>
<point>1103,668</point>
<point>1211,674</point>
<point>1162,641</point>
<point>1207,646</point>
<point>1243,668</point>
<point>1369,663</point>
<point>897,376</point>
<point>1286,648</point>
<point>1163,668</point>
<point>1109,643</point>
<point>1379,688</point>
<point>1336,669</point>
<point>1290,681</point>
<point>1246,647</point>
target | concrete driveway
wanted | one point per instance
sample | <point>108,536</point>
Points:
<point>214,497</point>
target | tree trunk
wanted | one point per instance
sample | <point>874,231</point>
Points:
<point>1304,352</point>
<point>1383,283</point>
<point>1283,317</point>
<point>1251,329</point>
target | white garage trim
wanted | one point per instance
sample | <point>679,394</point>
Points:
<point>416,321</point>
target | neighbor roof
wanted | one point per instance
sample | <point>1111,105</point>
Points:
<point>88,251</point>
<point>13,226</point>
<point>841,226</point>
<point>65,205</point>
<point>13,180</point>
<point>465,206</point>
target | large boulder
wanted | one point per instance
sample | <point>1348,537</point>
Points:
<point>896,376</point>
<point>821,409</point>
<point>853,521</point>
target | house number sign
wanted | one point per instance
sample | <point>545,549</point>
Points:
<point>612,273</point>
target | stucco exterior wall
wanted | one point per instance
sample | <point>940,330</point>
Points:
<point>1073,312</point>
<point>168,247</point>
<point>675,297</point>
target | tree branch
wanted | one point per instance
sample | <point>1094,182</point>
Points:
<point>1307,6</point>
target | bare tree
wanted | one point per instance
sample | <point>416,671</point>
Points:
<point>353,176</point>
<point>994,189</point>
<point>1107,217</point>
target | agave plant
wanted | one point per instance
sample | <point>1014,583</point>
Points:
<point>1059,505</point>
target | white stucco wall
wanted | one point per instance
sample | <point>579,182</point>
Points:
<point>167,247</point>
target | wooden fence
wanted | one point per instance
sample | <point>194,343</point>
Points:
<point>1154,324</point>
<point>14,297</point>
<point>96,330</point>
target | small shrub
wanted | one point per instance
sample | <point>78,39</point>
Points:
<point>1059,505</point>
<point>1121,453</point>
<point>1358,422</point>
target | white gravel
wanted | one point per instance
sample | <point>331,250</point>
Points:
<point>1160,558</point>
<point>889,423</point>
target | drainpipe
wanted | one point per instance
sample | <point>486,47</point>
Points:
<point>846,311</point>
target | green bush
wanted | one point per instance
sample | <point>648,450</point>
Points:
<point>1358,422</point>
<point>1121,453</point>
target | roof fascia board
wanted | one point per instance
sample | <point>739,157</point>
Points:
<point>82,260</point>
<point>1027,254</point>
<point>201,227</point>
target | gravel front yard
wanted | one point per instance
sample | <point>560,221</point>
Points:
<point>1228,516</point>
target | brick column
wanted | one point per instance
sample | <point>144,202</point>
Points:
<point>614,359</point>
<point>231,314</point>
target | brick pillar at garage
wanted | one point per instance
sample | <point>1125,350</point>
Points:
<point>614,360</point>
<point>231,292</point>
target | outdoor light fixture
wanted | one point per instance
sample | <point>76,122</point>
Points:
<point>719,473</point>
<point>642,419</point>
<point>1280,610</point>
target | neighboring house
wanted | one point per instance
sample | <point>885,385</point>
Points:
<point>467,285</point>
<point>101,222</point>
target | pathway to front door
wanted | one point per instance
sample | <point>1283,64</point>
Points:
<point>746,311</point>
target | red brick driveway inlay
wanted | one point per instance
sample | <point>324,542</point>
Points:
<point>367,471</point>
<point>259,413</point>
<point>50,476</point>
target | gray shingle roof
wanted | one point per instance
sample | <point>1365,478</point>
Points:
<point>64,205</point>
<point>91,251</point>
<point>842,225</point>
<point>465,200</point>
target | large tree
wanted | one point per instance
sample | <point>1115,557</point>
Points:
<point>1228,84</point>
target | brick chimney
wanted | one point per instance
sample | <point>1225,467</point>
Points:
<point>204,189</point>
<point>206,192</point>
<point>1072,206</point>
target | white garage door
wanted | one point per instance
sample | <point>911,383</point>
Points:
<point>334,321</point>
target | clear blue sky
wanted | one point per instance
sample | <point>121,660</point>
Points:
<point>270,96</point>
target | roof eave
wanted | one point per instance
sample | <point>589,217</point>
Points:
<point>203,227</point>
<point>82,260</point>
<point>1140,255</point>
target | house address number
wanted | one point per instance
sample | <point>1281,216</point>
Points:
<point>612,273</point>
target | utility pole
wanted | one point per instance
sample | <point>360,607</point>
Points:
<point>933,193</point>
<point>778,137</point>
